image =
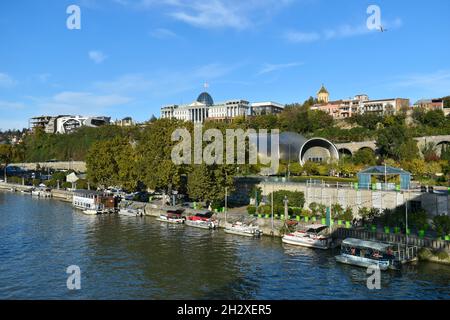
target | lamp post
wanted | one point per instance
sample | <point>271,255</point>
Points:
<point>286,210</point>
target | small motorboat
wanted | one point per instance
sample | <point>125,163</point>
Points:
<point>130,212</point>
<point>172,216</point>
<point>365,254</point>
<point>202,220</point>
<point>312,236</point>
<point>90,212</point>
<point>242,229</point>
<point>41,192</point>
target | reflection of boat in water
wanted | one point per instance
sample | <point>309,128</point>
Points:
<point>172,216</point>
<point>130,212</point>
<point>202,220</point>
<point>244,230</point>
<point>312,236</point>
<point>364,253</point>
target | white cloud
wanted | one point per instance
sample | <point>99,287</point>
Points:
<point>125,83</point>
<point>97,56</point>
<point>434,83</point>
<point>6,81</point>
<point>9,106</point>
<point>71,102</point>
<point>235,14</point>
<point>162,33</point>
<point>301,37</point>
<point>267,68</point>
<point>343,31</point>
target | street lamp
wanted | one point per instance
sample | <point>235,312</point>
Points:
<point>286,211</point>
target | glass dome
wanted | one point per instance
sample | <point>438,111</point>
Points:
<point>205,98</point>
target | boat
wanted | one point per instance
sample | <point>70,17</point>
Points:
<point>312,236</point>
<point>91,212</point>
<point>242,229</point>
<point>130,212</point>
<point>202,220</point>
<point>172,216</point>
<point>41,192</point>
<point>363,253</point>
<point>94,200</point>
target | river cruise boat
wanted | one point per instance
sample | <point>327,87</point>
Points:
<point>94,201</point>
<point>242,229</point>
<point>311,236</point>
<point>130,212</point>
<point>202,220</point>
<point>174,216</point>
<point>363,253</point>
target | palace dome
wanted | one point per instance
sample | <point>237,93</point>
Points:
<point>205,98</point>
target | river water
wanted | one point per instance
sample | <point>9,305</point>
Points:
<point>141,258</point>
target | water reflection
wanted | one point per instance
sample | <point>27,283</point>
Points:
<point>141,258</point>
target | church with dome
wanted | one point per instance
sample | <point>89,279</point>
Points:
<point>204,109</point>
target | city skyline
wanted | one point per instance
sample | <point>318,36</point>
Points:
<point>132,57</point>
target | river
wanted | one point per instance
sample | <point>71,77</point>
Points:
<point>141,258</point>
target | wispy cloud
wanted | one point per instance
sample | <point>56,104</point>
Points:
<point>235,14</point>
<point>8,106</point>
<point>6,81</point>
<point>126,83</point>
<point>72,102</point>
<point>268,68</point>
<point>436,83</point>
<point>343,31</point>
<point>162,33</point>
<point>97,56</point>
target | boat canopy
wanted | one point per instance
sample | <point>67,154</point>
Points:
<point>204,214</point>
<point>380,246</point>
<point>315,228</point>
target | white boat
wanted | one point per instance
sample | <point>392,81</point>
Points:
<point>364,253</point>
<point>91,212</point>
<point>172,216</point>
<point>311,236</point>
<point>41,193</point>
<point>130,212</point>
<point>243,230</point>
<point>202,220</point>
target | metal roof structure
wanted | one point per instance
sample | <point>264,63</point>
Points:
<point>380,246</point>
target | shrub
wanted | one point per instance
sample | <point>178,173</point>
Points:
<point>425,254</point>
<point>442,255</point>
<point>251,210</point>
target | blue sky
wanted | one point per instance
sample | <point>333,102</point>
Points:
<point>132,57</point>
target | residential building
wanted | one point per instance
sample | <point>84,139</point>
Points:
<point>430,104</point>
<point>66,123</point>
<point>263,108</point>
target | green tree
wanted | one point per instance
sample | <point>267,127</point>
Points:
<point>6,155</point>
<point>364,156</point>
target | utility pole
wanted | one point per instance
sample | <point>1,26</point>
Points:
<point>271,203</point>
<point>226,205</point>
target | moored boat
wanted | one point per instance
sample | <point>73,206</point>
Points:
<point>242,229</point>
<point>202,220</point>
<point>94,200</point>
<point>172,216</point>
<point>130,212</point>
<point>91,212</point>
<point>363,253</point>
<point>312,236</point>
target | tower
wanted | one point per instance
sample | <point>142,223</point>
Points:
<point>323,95</point>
